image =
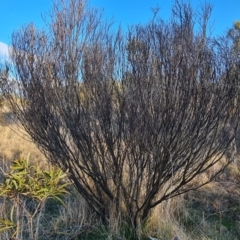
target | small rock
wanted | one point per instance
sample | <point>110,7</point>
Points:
<point>176,238</point>
<point>152,238</point>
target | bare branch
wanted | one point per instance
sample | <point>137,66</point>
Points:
<point>134,118</point>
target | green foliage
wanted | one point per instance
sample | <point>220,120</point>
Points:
<point>237,25</point>
<point>25,184</point>
<point>234,34</point>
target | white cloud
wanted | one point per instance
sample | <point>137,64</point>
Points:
<point>3,50</point>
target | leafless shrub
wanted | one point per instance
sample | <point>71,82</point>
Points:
<point>133,117</point>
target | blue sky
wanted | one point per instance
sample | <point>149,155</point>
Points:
<point>16,13</point>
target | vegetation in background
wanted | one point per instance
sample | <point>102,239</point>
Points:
<point>234,34</point>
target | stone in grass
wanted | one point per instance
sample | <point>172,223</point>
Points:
<point>176,238</point>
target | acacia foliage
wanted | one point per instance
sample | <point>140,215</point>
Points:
<point>133,116</point>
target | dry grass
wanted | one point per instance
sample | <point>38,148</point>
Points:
<point>212,212</point>
<point>163,222</point>
<point>15,142</point>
